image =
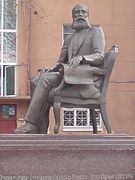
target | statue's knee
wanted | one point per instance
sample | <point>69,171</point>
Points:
<point>52,79</point>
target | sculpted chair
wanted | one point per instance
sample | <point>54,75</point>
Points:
<point>104,72</point>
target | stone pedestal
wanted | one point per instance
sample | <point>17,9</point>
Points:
<point>72,157</point>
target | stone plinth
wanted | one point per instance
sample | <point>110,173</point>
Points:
<point>58,157</point>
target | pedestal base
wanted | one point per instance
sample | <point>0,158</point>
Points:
<point>58,157</point>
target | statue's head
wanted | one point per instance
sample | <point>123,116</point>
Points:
<point>80,14</point>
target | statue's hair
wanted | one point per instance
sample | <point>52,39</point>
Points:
<point>78,6</point>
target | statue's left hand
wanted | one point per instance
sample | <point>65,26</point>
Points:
<point>75,61</point>
<point>55,68</point>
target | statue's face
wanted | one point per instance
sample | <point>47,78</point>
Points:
<point>80,17</point>
<point>80,12</point>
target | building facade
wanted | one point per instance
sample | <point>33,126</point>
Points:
<point>31,36</point>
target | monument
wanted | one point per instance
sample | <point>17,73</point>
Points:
<point>85,49</point>
<point>25,155</point>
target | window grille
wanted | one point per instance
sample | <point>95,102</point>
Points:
<point>79,119</point>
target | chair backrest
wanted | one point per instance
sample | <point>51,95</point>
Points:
<point>109,60</point>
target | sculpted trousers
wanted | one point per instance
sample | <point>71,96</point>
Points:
<point>39,101</point>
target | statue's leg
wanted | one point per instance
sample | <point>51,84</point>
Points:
<point>39,101</point>
<point>44,118</point>
<point>33,84</point>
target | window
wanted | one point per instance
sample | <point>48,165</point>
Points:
<point>78,119</point>
<point>8,9</point>
<point>67,30</point>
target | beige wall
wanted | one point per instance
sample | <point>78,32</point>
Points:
<point>22,50</point>
<point>117,17</point>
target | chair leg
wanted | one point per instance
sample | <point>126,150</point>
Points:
<point>44,121</point>
<point>105,118</point>
<point>93,120</point>
<point>56,110</point>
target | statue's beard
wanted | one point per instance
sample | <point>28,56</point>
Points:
<point>80,23</point>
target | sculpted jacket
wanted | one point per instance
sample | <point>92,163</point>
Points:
<point>89,43</point>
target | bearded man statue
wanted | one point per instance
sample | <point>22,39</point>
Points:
<point>85,46</point>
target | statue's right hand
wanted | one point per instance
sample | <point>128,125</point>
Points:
<point>75,61</point>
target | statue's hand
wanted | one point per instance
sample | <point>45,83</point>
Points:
<point>75,61</point>
<point>55,68</point>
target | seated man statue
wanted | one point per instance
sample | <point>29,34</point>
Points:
<point>85,45</point>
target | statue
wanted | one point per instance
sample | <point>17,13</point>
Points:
<point>84,47</point>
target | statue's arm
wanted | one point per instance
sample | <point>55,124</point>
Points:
<point>63,58</point>
<point>98,46</point>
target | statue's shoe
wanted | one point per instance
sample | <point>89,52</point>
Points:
<point>26,129</point>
